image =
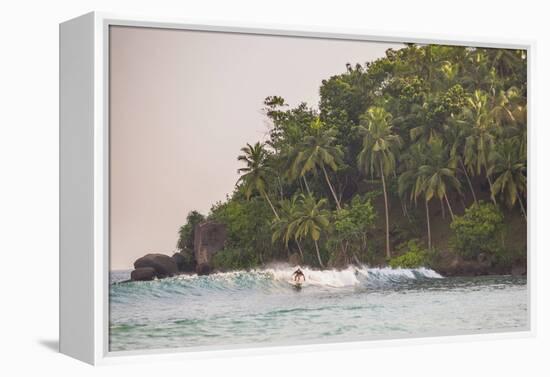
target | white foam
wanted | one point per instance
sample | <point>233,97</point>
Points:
<point>327,278</point>
<point>349,277</point>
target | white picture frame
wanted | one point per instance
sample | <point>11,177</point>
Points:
<point>84,188</point>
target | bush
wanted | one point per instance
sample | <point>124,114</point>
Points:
<point>480,230</point>
<point>187,232</point>
<point>233,259</point>
<point>415,255</point>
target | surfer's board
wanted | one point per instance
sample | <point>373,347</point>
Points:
<point>296,284</point>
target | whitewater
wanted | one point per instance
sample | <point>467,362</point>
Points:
<point>261,307</point>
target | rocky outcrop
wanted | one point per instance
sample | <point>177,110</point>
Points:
<point>519,270</point>
<point>163,265</point>
<point>143,274</point>
<point>209,238</point>
<point>460,267</point>
<point>185,260</point>
<point>203,269</point>
<point>450,264</point>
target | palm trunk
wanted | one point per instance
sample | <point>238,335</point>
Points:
<point>521,205</point>
<point>280,187</point>
<point>468,179</point>
<point>403,208</point>
<point>388,253</point>
<point>344,250</point>
<point>428,225</point>
<point>300,250</point>
<point>491,189</point>
<point>449,206</point>
<point>271,205</point>
<point>318,254</point>
<point>331,188</point>
<point>357,261</point>
<point>307,185</point>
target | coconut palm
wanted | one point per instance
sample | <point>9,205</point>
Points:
<point>504,61</point>
<point>510,113</point>
<point>312,219</point>
<point>255,175</point>
<point>318,151</point>
<point>510,169</point>
<point>438,174</point>
<point>480,141</point>
<point>410,180</point>
<point>378,155</point>
<point>283,227</point>
<point>455,135</point>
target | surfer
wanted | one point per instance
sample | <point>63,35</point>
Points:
<point>299,276</point>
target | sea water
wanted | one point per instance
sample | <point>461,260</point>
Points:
<point>262,307</point>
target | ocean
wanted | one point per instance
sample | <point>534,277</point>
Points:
<point>262,307</point>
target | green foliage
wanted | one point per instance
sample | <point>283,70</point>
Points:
<point>187,232</point>
<point>351,226</point>
<point>354,219</point>
<point>414,255</point>
<point>478,231</point>
<point>248,228</point>
<point>422,123</point>
<point>232,259</point>
<point>311,221</point>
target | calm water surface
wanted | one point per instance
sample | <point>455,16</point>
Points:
<point>262,307</point>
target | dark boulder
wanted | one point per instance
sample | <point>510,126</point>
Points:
<point>209,238</point>
<point>519,270</point>
<point>185,260</point>
<point>460,267</point>
<point>163,265</point>
<point>143,274</point>
<point>203,269</point>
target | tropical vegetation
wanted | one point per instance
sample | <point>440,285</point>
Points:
<point>428,143</point>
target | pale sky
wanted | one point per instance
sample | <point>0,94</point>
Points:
<point>182,104</point>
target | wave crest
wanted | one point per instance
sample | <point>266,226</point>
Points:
<point>276,278</point>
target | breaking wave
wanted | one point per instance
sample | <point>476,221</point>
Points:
<point>275,278</point>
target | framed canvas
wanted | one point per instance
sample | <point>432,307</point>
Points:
<point>230,189</point>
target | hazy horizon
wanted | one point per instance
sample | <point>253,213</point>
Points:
<point>182,104</point>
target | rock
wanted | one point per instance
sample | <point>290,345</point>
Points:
<point>185,260</point>
<point>143,274</point>
<point>203,269</point>
<point>163,265</point>
<point>519,270</point>
<point>294,259</point>
<point>459,267</point>
<point>209,239</point>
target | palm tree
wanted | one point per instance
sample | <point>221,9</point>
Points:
<point>411,179</point>
<point>510,113</point>
<point>283,227</point>
<point>311,220</point>
<point>455,135</point>
<point>380,145</point>
<point>318,151</point>
<point>504,60</point>
<point>480,141</point>
<point>438,174</point>
<point>256,172</point>
<point>429,172</point>
<point>510,169</point>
